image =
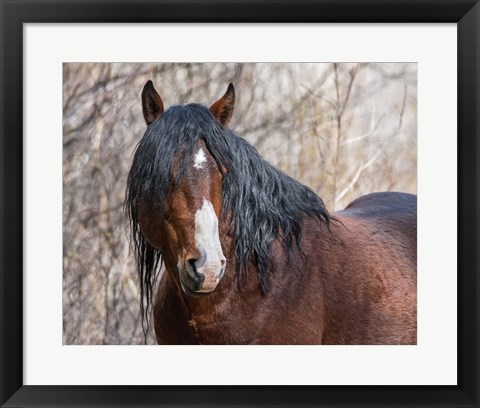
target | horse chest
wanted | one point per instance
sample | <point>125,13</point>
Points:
<point>226,323</point>
<point>261,322</point>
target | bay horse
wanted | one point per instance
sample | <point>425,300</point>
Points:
<point>252,256</point>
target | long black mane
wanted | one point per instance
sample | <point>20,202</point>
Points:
<point>265,204</point>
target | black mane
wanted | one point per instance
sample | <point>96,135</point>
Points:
<point>264,202</point>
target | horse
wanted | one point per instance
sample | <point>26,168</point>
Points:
<point>250,255</point>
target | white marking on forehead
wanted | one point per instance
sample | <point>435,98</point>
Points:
<point>199,159</point>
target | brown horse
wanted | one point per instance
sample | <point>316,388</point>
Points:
<point>251,256</point>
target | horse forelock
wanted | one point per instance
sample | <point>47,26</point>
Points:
<point>263,202</point>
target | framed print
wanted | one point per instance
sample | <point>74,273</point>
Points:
<point>360,92</point>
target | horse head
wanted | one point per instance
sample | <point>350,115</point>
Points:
<point>188,234</point>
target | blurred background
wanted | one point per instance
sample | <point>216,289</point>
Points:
<point>343,129</point>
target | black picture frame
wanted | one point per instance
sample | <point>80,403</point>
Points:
<point>465,13</point>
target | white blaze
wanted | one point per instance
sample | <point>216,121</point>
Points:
<point>199,159</point>
<point>207,238</point>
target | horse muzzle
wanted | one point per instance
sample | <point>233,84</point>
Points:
<point>199,279</point>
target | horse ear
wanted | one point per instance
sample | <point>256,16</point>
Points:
<point>223,108</point>
<point>151,102</point>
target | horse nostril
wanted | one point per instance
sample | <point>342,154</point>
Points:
<point>193,264</point>
<point>223,262</point>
